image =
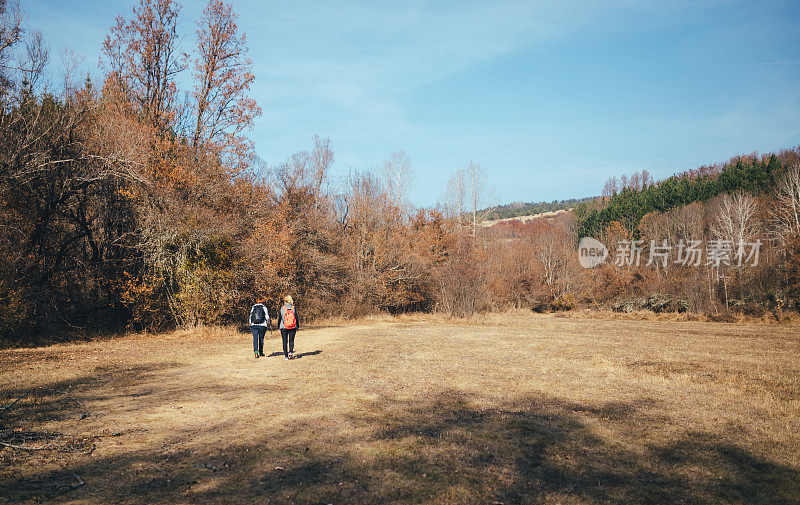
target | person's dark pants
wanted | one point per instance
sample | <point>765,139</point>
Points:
<point>258,338</point>
<point>288,338</point>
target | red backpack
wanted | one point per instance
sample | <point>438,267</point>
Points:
<point>289,321</point>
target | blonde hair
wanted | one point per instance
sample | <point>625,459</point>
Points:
<point>288,299</point>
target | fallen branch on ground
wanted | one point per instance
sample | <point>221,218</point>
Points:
<point>25,448</point>
<point>8,407</point>
<point>72,485</point>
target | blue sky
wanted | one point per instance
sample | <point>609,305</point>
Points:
<point>552,98</point>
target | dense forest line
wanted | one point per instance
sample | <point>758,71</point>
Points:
<point>131,203</point>
<point>518,209</point>
<point>757,175</point>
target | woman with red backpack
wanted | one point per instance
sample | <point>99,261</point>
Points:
<point>288,324</point>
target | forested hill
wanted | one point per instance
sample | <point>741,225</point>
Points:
<point>517,209</point>
<point>755,174</point>
<point>751,173</point>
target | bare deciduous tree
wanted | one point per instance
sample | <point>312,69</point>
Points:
<point>478,193</point>
<point>397,174</point>
<point>687,222</point>
<point>10,34</point>
<point>647,179</point>
<point>321,160</point>
<point>306,172</point>
<point>610,188</point>
<point>736,218</point>
<point>455,195</point>
<point>635,182</point>
<point>785,214</point>
<point>70,63</point>
<point>35,59</point>
<point>553,250</point>
<point>735,222</point>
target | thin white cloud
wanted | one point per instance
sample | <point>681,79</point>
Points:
<point>360,57</point>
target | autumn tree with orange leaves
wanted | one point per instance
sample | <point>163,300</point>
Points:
<point>142,59</point>
<point>189,212</point>
<point>223,76</point>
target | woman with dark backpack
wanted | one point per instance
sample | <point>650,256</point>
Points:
<point>259,322</point>
<point>288,324</point>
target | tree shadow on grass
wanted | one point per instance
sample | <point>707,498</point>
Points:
<point>444,450</point>
<point>66,398</point>
<point>543,450</point>
<point>33,340</point>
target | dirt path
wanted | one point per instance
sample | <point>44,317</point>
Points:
<point>538,409</point>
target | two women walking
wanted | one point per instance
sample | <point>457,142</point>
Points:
<point>288,324</point>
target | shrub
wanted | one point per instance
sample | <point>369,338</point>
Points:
<point>747,308</point>
<point>659,303</point>
<point>724,317</point>
<point>656,302</point>
<point>561,303</point>
<point>542,304</point>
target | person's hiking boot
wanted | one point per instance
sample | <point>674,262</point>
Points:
<point>257,355</point>
<point>291,355</point>
<point>261,354</point>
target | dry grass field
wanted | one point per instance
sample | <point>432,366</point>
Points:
<point>514,408</point>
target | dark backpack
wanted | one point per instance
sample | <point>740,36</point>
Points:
<point>258,314</point>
